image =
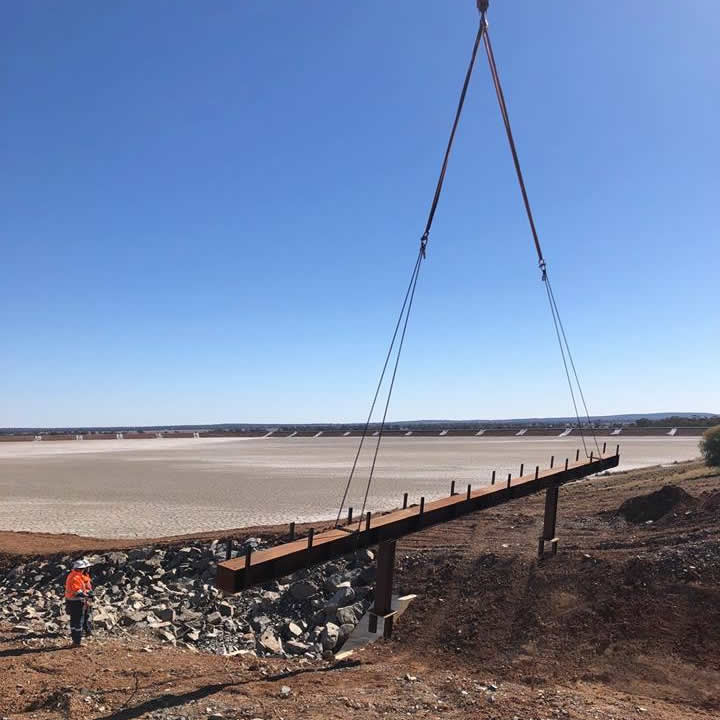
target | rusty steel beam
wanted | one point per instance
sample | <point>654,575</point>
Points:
<point>276,562</point>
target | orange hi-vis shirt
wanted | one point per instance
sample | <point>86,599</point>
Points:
<point>75,583</point>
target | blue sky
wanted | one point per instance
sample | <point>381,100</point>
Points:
<point>209,211</point>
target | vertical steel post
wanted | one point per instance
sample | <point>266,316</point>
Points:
<point>452,488</point>
<point>405,497</point>
<point>492,482</point>
<point>551,503</point>
<point>469,491</point>
<point>292,531</point>
<point>228,549</point>
<point>522,469</point>
<point>549,522</point>
<point>604,447</point>
<point>367,520</point>
<point>383,588</point>
<point>552,461</point>
<point>509,479</point>
<point>246,574</point>
<point>349,516</point>
<point>311,536</point>
<point>577,455</point>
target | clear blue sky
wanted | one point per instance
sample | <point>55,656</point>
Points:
<point>209,211</point>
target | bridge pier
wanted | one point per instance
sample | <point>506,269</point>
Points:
<point>383,589</point>
<point>549,522</point>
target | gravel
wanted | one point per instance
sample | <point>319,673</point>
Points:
<point>170,593</point>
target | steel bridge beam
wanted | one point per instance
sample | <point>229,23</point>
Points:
<point>276,562</point>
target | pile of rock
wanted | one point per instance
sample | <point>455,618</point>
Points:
<point>170,592</point>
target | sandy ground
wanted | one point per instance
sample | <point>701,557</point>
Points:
<point>158,487</point>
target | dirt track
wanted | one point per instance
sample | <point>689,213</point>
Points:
<point>623,623</point>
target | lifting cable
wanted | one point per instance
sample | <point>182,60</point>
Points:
<point>557,322</point>
<point>404,315</point>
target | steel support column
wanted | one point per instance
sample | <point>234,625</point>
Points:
<point>383,589</point>
<point>550,521</point>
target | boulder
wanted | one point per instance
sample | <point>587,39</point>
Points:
<point>201,564</point>
<point>252,542</point>
<point>166,614</point>
<point>190,617</point>
<point>329,636</point>
<point>345,631</point>
<point>296,647</point>
<point>260,622</point>
<point>269,599</point>
<point>56,569</point>
<point>214,618</point>
<point>270,642</point>
<point>153,562</point>
<point>226,609</point>
<point>192,635</point>
<point>17,572</point>
<point>292,630</point>
<point>362,591</point>
<point>318,618</point>
<point>166,635</point>
<point>139,554</point>
<point>303,589</point>
<point>345,595</point>
<point>131,617</point>
<point>364,557</point>
<point>347,615</point>
<point>333,583</point>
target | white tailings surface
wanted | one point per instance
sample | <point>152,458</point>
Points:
<point>165,486</point>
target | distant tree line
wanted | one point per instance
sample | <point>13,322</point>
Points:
<point>675,421</point>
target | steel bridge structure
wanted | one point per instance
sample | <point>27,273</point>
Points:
<point>383,530</point>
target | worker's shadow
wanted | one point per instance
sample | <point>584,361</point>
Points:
<point>172,700</point>
<point>17,652</point>
<point>13,637</point>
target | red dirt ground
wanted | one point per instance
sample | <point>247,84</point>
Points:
<point>623,623</point>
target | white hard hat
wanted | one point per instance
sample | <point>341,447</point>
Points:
<point>81,564</point>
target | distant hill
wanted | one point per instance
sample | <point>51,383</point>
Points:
<point>622,419</point>
<point>672,419</point>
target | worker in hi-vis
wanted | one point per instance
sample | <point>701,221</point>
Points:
<point>78,592</point>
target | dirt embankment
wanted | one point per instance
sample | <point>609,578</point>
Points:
<point>623,623</point>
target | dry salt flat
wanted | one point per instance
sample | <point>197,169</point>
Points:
<point>167,486</point>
